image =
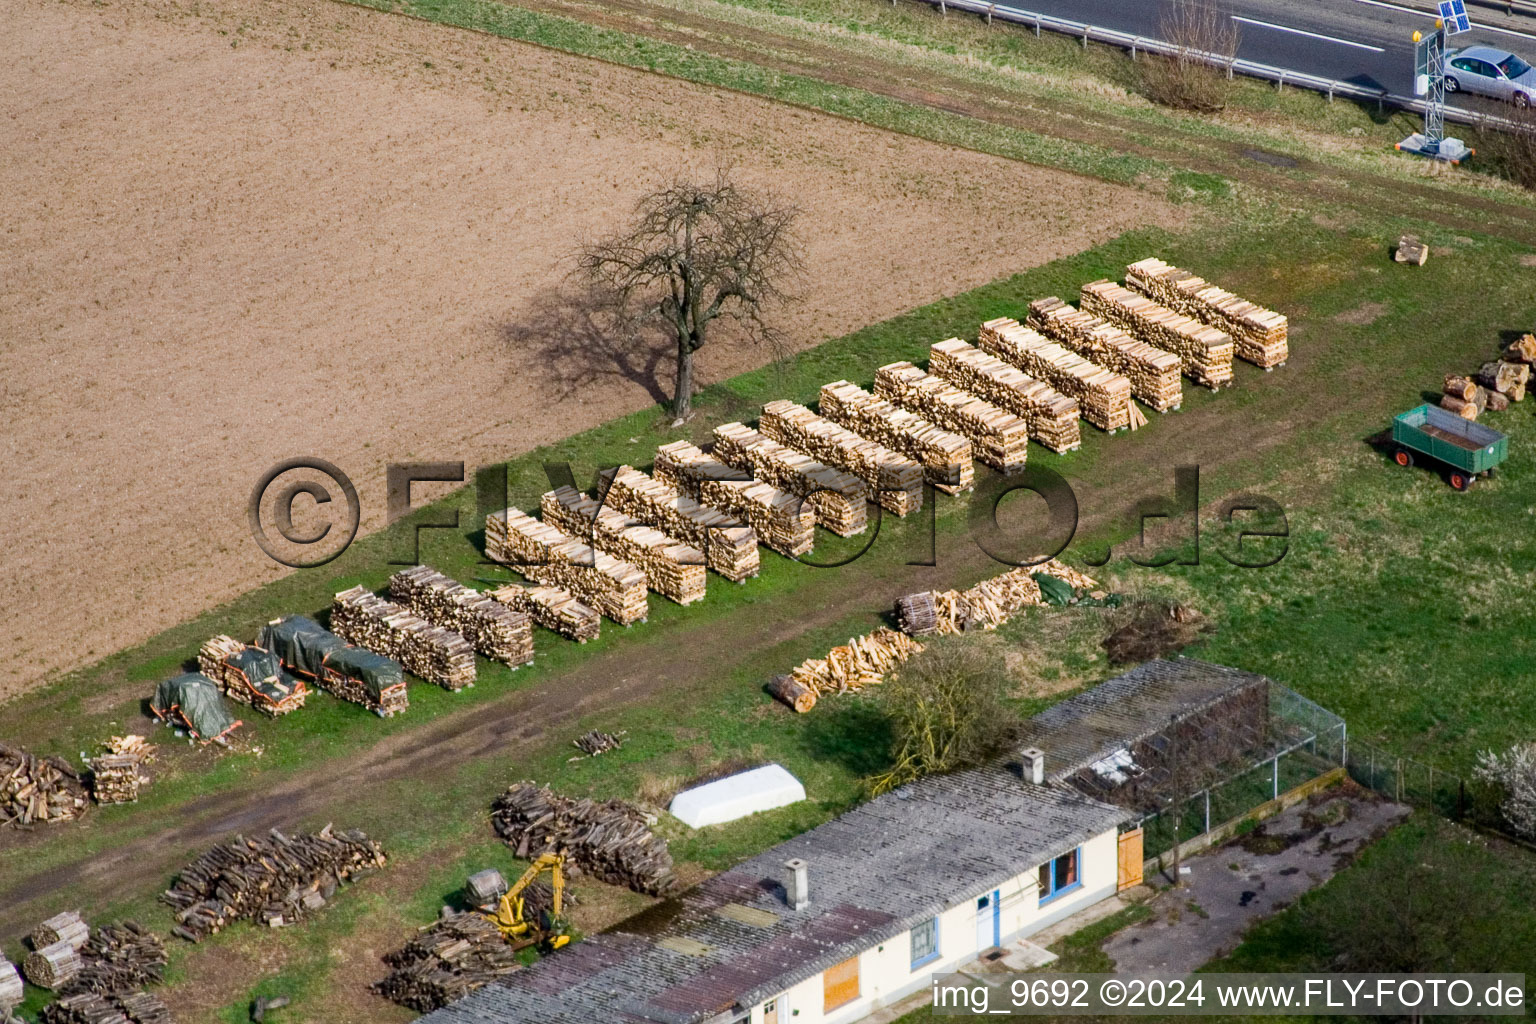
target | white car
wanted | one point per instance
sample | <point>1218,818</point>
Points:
<point>1490,72</point>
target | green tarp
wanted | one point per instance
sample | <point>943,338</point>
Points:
<point>1053,589</point>
<point>193,702</point>
<point>375,671</point>
<point>264,672</point>
<point>304,645</point>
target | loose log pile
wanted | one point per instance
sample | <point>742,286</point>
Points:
<point>554,609</point>
<point>594,742</point>
<point>53,966</point>
<point>610,840</point>
<point>495,630</point>
<point>435,654</point>
<point>447,961</point>
<point>1204,351</point>
<point>783,522</point>
<point>68,927</point>
<point>1103,397</point>
<point>120,958</point>
<point>987,605</point>
<point>838,498</point>
<point>1258,334</point>
<point>1411,250</point>
<point>945,455</point>
<point>36,789</point>
<point>729,546</point>
<point>1522,350</point>
<point>862,661</point>
<point>90,1008</point>
<point>1460,387</point>
<point>998,437</point>
<point>251,676</point>
<point>1051,416</point>
<point>273,879</point>
<point>1506,377</point>
<point>892,480</point>
<point>673,570</point>
<point>1153,373</point>
<point>546,554</point>
<point>1467,410</point>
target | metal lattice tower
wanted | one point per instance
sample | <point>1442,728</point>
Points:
<point>1433,67</point>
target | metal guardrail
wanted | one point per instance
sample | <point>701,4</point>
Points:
<point>1251,69</point>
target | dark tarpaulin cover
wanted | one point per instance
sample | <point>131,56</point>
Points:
<point>265,673</point>
<point>1053,589</point>
<point>194,702</point>
<point>374,670</point>
<point>300,642</point>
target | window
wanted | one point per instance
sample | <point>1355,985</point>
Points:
<point>1059,876</point>
<point>1513,66</point>
<point>840,985</point>
<point>771,1012</point>
<point>925,942</point>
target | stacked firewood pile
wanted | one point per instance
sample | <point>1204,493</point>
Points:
<point>1052,416</point>
<point>554,609</point>
<point>610,841</point>
<point>729,545</point>
<point>435,654</point>
<point>34,789</point>
<point>447,961</point>
<point>673,570</point>
<point>1153,373</point>
<point>1104,398</point>
<point>1259,334</point>
<point>892,480</point>
<point>782,522</point>
<point>119,957</point>
<point>12,991</point>
<point>1204,351</point>
<point>862,661</point>
<point>838,498</point>
<point>496,631</point>
<point>944,454</point>
<point>593,743</point>
<point>545,554</point>
<point>273,879</point>
<point>54,964</point>
<point>68,927</point>
<point>120,1008</point>
<point>117,774</point>
<point>987,605</point>
<point>998,437</point>
<point>251,676</point>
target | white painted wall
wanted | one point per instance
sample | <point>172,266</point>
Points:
<point>885,970</point>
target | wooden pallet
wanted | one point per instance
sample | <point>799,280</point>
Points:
<point>838,498</point>
<point>728,543</point>
<point>891,480</point>
<point>1153,373</point>
<point>1204,351</point>
<point>1103,397</point>
<point>545,554</point>
<point>998,437</point>
<point>1259,335</point>
<point>945,455</point>
<point>783,522</point>
<point>1052,416</point>
<point>673,570</point>
<point>496,631</point>
<point>435,654</point>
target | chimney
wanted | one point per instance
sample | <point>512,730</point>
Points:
<point>1032,765</point>
<point>797,883</point>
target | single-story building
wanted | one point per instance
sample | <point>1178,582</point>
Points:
<point>867,908</point>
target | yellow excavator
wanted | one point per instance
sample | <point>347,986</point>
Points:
<point>503,905</point>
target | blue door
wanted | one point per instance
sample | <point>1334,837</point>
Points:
<point>988,920</point>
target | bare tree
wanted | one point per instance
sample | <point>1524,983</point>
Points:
<point>698,252</point>
<point>1204,38</point>
<point>1512,147</point>
<point>1513,773</point>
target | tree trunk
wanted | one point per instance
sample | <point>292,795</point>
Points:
<point>682,388</point>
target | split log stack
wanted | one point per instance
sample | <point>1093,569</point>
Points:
<point>12,991</point>
<point>120,957</point>
<point>119,1008</point>
<point>1204,351</point>
<point>1052,417</point>
<point>545,554</point>
<point>495,630</point>
<point>273,879</point>
<point>435,654</point>
<point>987,605</point>
<point>838,498</point>
<point>1506,377</point>
<point>1258,334</point>
<point>447,961</point>
<point>1103,397</point>
<point>783,522</point>
<point>609,840</point>
<point>34,789</point>
<point>117,774</point>
<point>1410,249</point>
<point>945,455</point>
<point>556,610</point>
<point>729,545</point>
<point>673,570</point>
<point>232,664</point>
<point>862,661</point>
<point>891,480</point>
<point>52,966</point>
<point>998,437</point>
<point>1153,373</point>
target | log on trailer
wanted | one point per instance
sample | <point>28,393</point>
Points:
<point>944,454</point>
<point>546,554</point>
<point>1104,398</point>
<point>346,672</point>
<point>782,522</point>
<point>672,569</point>
<point>1051,416</point>
<point>556,610</point>
<point>838,498</point>
<point>1258,334</point>
<point>496,631</point>
<point>998,438</point>
<point>251,675</point>
<point>1204,351</point>
<point>435,654</point>
<point>34,789</point>
<point>892,480</point>
<point>608,840</point>
<point>1153,373</point>
<point>728,543</point>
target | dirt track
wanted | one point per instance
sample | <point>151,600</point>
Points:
<point>279,229</point>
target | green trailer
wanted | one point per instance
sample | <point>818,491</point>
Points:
<point>1431,434</point>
